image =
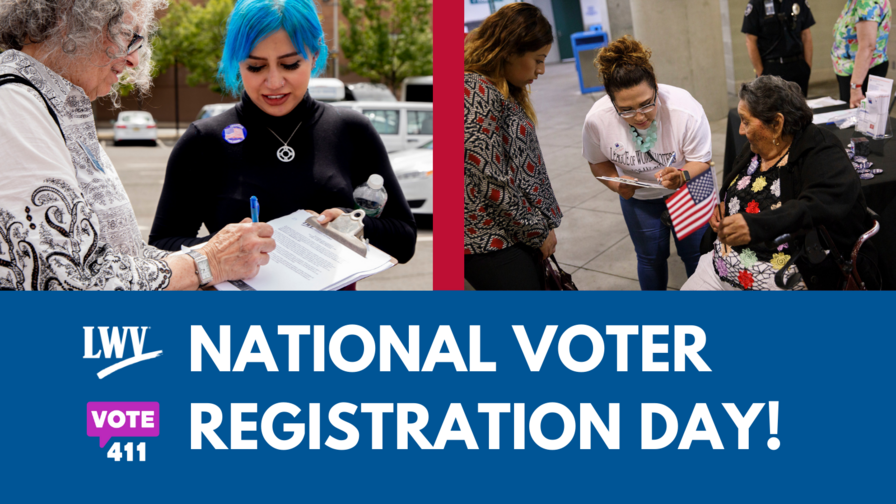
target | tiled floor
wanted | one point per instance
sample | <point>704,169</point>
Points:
<point>593,241</point>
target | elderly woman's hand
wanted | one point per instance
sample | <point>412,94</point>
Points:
<point>328,215</point>
<point>669,177</point>
<point>716,217</point>
<point>734,231</point>
<point>239,250</point>
<point>855,97</point>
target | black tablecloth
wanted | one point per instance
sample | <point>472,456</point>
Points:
<point>880,192</point>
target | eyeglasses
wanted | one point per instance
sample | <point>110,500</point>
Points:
<point>135,44</point>
<point>646,109</point>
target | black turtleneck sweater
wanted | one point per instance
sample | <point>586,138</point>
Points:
<point>210,180</point>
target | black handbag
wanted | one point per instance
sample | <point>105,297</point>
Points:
<point>556,279</point>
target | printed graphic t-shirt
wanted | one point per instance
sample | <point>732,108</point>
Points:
<point>682,128</point>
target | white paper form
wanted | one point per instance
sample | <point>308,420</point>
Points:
<point>829,117</point>
<point>825,101</point>
<point>880,86</point>
<point>307,259</point>
<point>631,182</point>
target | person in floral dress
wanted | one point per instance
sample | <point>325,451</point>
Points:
<point>860,46</point>
<point>792,177</point>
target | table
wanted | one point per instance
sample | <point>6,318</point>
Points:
<point>880,192</point>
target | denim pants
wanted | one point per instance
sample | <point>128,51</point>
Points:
<point>651,239</point>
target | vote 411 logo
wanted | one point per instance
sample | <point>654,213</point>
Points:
<point>106,420</point>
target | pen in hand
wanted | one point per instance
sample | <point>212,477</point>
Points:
<point>253,204</point>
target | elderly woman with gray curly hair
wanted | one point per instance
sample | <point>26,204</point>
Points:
<point>66,222</point>
<point>791,178</point>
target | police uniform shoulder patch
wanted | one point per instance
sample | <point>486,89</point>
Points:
<point>749,9</point>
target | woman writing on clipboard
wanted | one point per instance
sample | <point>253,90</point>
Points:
<point>278,143</point>
<point>633,132</point>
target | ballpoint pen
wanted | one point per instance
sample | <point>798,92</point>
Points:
<point>253,204</point>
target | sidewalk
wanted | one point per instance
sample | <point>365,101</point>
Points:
<point>593,241</point>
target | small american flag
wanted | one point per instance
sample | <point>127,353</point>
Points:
<point>692,205</point>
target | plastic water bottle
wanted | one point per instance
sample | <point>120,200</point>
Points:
<point>371,196</point>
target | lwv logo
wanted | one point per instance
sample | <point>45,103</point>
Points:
<point>114,343</point>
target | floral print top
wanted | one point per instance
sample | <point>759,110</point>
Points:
<point>753,266</point>
<point>846,39</point>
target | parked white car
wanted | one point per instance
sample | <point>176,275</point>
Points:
<point>326,89</point>
<point>135,125</point>
<point>413,169</point>
<point>401,125</point>
<point>214,109</point>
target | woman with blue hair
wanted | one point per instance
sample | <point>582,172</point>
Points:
<point>278,143</point>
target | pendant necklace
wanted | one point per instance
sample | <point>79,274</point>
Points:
<point>286,153</point>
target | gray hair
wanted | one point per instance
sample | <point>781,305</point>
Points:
<point>73,31</point>
<point>768,95</point>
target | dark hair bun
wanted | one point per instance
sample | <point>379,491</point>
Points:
<point>624,52</point>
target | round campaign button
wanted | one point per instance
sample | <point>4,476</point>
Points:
<point>234,134</point>
<point>877,171</point>
<point>866,176</point>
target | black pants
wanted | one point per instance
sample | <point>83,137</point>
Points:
<point>879,70</point>
<point>514,268</point>
<point>795,71</point>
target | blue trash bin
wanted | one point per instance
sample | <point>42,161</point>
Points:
<point>586,45</point>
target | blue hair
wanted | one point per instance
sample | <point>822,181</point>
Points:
<point>253,20</point>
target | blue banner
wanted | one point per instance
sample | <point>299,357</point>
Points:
<point>697,397</point>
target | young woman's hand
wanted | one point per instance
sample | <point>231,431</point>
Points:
<point>669,177</point>
<point>549,245</point>
<point>626,190</point>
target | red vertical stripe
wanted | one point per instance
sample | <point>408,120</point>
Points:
<point>448,214</point>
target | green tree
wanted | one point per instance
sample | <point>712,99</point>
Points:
<point>193,35</point>
<point>387,40</point>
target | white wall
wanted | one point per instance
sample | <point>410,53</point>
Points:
<point>545,6</point>
<point>480,11</point>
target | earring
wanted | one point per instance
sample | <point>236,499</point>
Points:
<point>776,142</point>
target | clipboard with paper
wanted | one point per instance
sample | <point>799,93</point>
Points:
<point>314,257</point>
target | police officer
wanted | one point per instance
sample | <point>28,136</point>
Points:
<point>778,39</point>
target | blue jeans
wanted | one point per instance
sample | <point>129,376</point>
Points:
<point>651,239</point>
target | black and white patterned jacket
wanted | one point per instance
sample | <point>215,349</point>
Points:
<point>508,197</point>
<point>66,223</point>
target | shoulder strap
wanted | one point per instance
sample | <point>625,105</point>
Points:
<point>11,78</point>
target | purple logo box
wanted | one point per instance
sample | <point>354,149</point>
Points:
<point>106,420</point>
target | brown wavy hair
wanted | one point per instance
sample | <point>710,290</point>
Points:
<point>624,64</point>
<point>513,30</point>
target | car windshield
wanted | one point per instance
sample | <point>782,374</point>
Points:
<point>213,110</point>
<point>427,145</point>
<point>135,117</point>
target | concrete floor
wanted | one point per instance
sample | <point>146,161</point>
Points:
<point>593,240</point>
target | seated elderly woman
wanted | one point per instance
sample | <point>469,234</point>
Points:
<point>66,222</point>
<point>793,177</point>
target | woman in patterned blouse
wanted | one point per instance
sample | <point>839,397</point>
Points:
<point>792,177</point>
<point>509,207</point>
<point>66,222</point>
<point>860,46</point>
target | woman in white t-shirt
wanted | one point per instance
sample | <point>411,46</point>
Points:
<point>633,133</point>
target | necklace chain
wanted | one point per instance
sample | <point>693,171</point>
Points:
<point>290,136</point>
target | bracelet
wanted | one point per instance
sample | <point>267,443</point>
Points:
<point>681,174</point>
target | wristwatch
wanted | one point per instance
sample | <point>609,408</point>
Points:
<point>687,176</point>
<point>854,86</point>
<point>203,270</point>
